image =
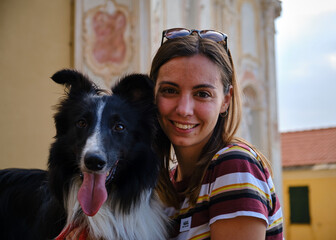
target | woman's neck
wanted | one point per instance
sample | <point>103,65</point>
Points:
<point>187,159</point>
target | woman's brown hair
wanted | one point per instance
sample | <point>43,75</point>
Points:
<point>227,124</point>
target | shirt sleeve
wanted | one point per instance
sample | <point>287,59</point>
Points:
<point>238,186</point>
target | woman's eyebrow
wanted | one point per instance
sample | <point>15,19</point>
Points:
<point>169,83</point>
<point>195,87</point>
<point>204,86</point>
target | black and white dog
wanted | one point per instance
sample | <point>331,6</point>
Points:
<point>101,170</point>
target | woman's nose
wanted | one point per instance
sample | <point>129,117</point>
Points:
<point>185,106</point>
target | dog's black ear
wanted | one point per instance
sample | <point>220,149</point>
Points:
<point>135,88</point>
<point>74,80</point>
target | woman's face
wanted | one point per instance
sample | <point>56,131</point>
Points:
<point>189,95</point>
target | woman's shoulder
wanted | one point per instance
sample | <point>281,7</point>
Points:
<point>234,149</point>
<point>238,158</point>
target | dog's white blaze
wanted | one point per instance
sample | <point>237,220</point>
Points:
<point>145,221</point>
<point>94,143</point>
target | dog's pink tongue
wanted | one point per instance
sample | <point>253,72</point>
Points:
<point>92,194</point>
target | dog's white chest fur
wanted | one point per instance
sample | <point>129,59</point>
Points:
<point>145,220</point>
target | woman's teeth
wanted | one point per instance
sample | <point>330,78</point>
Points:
<point>184,126</point>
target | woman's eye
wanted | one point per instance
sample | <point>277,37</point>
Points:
<point>168,91</point>
<point>118,127</point>
<point>81,123</point>
<point>203,94</point>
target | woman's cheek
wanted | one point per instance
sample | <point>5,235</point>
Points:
<point>163,105</point>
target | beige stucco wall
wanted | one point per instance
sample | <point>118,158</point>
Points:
<point>35,41</point>
<point>322,198</point>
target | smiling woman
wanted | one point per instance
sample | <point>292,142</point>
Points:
<point>220,187</point>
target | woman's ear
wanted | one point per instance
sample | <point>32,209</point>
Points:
<point>227,100</point>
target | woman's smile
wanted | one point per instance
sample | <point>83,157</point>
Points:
<point>184,126</point>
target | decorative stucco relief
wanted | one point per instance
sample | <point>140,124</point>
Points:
<point>107,39</point>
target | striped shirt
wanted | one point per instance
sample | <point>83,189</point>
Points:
<point>235,184</point>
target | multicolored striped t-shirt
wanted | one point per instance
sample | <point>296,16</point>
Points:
<point>235,184</point>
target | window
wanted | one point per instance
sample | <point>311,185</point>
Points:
<point>299,205</point>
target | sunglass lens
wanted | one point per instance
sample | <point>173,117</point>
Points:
<point>176,32</point>
<point>213,35</point>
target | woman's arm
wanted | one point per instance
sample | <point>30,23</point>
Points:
<point>239,228</point>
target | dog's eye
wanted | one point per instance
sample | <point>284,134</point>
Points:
<point>81,123</point>
<point>118,127</point>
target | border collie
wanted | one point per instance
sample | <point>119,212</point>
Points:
<point>102,169</point>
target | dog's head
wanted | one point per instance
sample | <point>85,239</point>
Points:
<point>103,141</point>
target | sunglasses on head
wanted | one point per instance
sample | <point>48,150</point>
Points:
<point>216,36</point>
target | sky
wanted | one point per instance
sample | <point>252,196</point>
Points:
<point>306,64</point>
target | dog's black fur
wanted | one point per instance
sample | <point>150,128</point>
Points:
<point>95,134</point>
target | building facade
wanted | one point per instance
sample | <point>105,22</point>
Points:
<point>309,183</point>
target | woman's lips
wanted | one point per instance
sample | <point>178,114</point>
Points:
<point>184,126</point>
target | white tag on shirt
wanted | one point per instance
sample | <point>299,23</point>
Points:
<point>185,224</point>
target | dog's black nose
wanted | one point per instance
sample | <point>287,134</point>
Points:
<point>94,161</point>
